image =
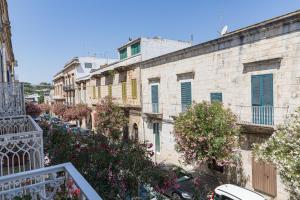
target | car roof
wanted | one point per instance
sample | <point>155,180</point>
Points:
<point>238,193</point>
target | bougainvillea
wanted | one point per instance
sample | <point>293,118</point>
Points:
<point>33,109</point>
<point>206,133</point>
<point>71,113</point>
<point>283,150</point>
<point>110,118</point>
<point>115,169</point>
<point>59,109</point>
<point>45,108</point>
<point>83,110</point>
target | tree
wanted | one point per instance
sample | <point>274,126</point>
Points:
<point>110,118</point>
<point>33,109</point>
<point>59,109</point>
<point>77,112</point>
<point>207,133</point>
<point>283,150</point>
<point>45,108</point>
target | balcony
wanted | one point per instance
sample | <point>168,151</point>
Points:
<point>46,183</point>
<point>21,145</point>
<point>11,99</point>
<point>154,110</point>
<point>261,115</point>
<point>68,88</point>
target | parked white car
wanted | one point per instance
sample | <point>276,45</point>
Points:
<point>233,192</point>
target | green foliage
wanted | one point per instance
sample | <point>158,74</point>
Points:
<point>206,133</point>
<point>283,150</point>
<point>110,118</point>
<point>113,168</point>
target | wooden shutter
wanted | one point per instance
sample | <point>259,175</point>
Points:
<point>124,92</point>
<point>186,93</point>
<point>255,91</point>
<point>133,89</point>
<point>154,93</point>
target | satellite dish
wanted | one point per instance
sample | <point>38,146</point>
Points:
<point>224,30</point>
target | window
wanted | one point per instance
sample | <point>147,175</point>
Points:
<point>94,92</point>
<point>88,65</point>
<point>135,48</point>
<point>186,95</point>
<point>124,92</point>
<point>157,136</point>
<point>262,99</point>
<point>123,53</point>
<point>216,97</point>
<point>133,89</point>
<point>154,98</point>
<point>110,90</point>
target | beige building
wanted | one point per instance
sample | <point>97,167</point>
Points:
<point>121,79</point>
<point>58,84</point>
<point>254,71</point>
<point>7,59</point>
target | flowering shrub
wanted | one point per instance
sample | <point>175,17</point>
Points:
<point>110,118</point>
<point>45,108</point>
<point>283,150</point>
<point>113,168</point>
<point>206,133</point>
<point>70,114</point>
<point>33,109</point>
<point>59,109</point>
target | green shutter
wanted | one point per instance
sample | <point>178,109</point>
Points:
<point>135,48</point>
<point>262,90</point>
<point>123,53</point>
<point>133,89</point>
<point>267,89</point>
<point>216,97</point>
<point>94,92</point>
<point>186,95</point>
<point>109,90</point>
<point>124,92</point>
<point>99,92</point>
<point>157,136</point>
<point>154,93</point>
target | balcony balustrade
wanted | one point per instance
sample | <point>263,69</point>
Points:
<point>11,99</point>
<point>22,170</point>
<point>46,183</point>
<point>69,87</point>
<point>21,145</point>
<point>261,115</point>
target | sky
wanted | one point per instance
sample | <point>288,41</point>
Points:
<point>48,33</point>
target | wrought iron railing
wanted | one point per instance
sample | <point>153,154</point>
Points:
<point>261,115</point>
<point>155,108</point>
<point>11,99</point>
<point>47,183</point>
<point>21,145</point>
<point>69,87</point>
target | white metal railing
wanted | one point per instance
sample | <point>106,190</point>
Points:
<point>11,99</point>
<point>155,108</point>
<point>261,115</point>
<point>45,183</point>
<point>21,145</point>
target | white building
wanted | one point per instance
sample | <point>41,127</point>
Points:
<point>255,71</point>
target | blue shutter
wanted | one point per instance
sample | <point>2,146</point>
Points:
<point>186,95</point>
<point>216,97</point>
<point>267,89</point>
<point>255,91</point>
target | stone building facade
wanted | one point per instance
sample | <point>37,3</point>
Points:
<point>121,79</point>
<point>7,59</point>
<point>254,71</point>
